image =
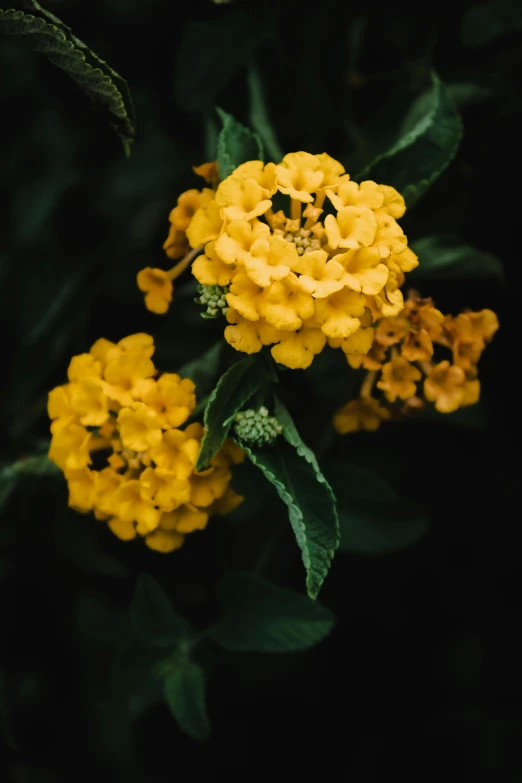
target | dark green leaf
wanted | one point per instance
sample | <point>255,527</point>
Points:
<point>39,465</point>
<point>184,690</point>
<point>445,256</point>
<point>261,617</point>
<point>45,33</point>
<point>293,470</point>
<point>211,52</point>
<point>153,618</point>
<point>259,114</point>
<point>236,145</point>
<point>233,390</point>
<point>203,369</point>
<point>424,148</point>
<point>373,519</point>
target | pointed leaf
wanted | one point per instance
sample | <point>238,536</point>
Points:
<point>261,617</point>
<point>233,390</point>
<point>236,145</point>
<point>37,465</point>
<point>424,149</point>
<point>374,520</point>
<point>153,618</point>
<point>184,690</point>
<point>43,32</point>
<point>445,256</point>
<point>293,470</point>
<point>259,114</point>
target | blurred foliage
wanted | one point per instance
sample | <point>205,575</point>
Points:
<point>425,642</point>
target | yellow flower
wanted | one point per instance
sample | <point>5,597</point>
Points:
<point>340,313</point>
<point>205,225</point>
<point>318,276</point>
<point>164,488</point>
<point>233,246</point>
<point>393,202</point>
<point>299,175</point>
<point>270,260</point>
<point>124,376</point>
<point>131,506</point>
<point>353,227</point>
<point>89,401</point>
<point>389,236</point>
<point>471,327</point>
<point>390,331</point>
<point>177,451</point>
<point>139,427</point>
<point>186,519</point>
<point>171,398</point>
<point>364,271</point>
<point>107,484</point>
<point>125,531</point>
<point>406,260</point>
<point>209,172</point>
<point>399,379</point>
<point>228,502</point>
<point>287,305</point>
<point>371,361</point>
<point>158,289</point>
<point>245,296</point>
<point>82,489</point>
<point>176,244</point>
<point>358,343</point>
<point>83,366</point>
<point>445,387</point>
<point>248,336</point>
<point>164,541</point>
<point>389,302</point>
<point>210,269</point>
<point>263,174</point>
<point>208,485</point>
<point>59,403</point>
<point>418,346</point>
<point>187,206</point>
<point>330,168</point>
<point>364,413</point>
<point>242,199</point>
<point>297,349</point>
<point>349,194</point>
<point>70,447</point>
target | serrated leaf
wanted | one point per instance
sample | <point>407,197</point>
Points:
<point>424,149</point>
<point>45,33</point>
<point>445,256</point>
<point>184,690</point>
<point>236,145</point>
<point>153,618</point>
<point>373,519</point>
<point>212,50</point>
<point>259,114</point>
<point>233,390</point>
<point>293,470</point>
<point>261,617</point>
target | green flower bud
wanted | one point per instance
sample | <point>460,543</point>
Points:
<point>212,297</point>
<point>256,428</point>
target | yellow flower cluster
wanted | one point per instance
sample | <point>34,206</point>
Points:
<point>320,273</point>
<point>402,353</point>
<point>116,436</point>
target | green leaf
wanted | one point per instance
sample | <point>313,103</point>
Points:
<point>203,369</point>
<point>374,520</point>
<point>213,50</point>
<point>38,465</point>
<point>236,145</point>
<point>184,690</point>
<point>234,389</point>
<point>43,32</point>
<point>153,618</point>
<point>259,114</point>
<point>445,256</point>
<point>424,148</point>
<point>261,617</point>
<point>293,470</point>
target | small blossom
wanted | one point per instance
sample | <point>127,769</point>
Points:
<point>340,313</point>
<point>354,227</point>
<point>445,387</point>
<point>206,225</point>
<point>399,379</point>
<point>158,289</point>
<point>361,414</point>
<point>139,427</point>
<point>297,349</point>
<point>299,175</point>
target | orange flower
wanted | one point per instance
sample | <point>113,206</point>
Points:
<point>398,379</point>
<point>365,413</point>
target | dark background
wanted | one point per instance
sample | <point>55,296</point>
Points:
<point>422,675</point>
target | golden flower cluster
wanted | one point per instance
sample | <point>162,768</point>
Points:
<point>402,355</point>
<point>116,435</point>
<point>321,272</point>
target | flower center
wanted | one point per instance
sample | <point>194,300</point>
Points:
<point>304,240</point>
